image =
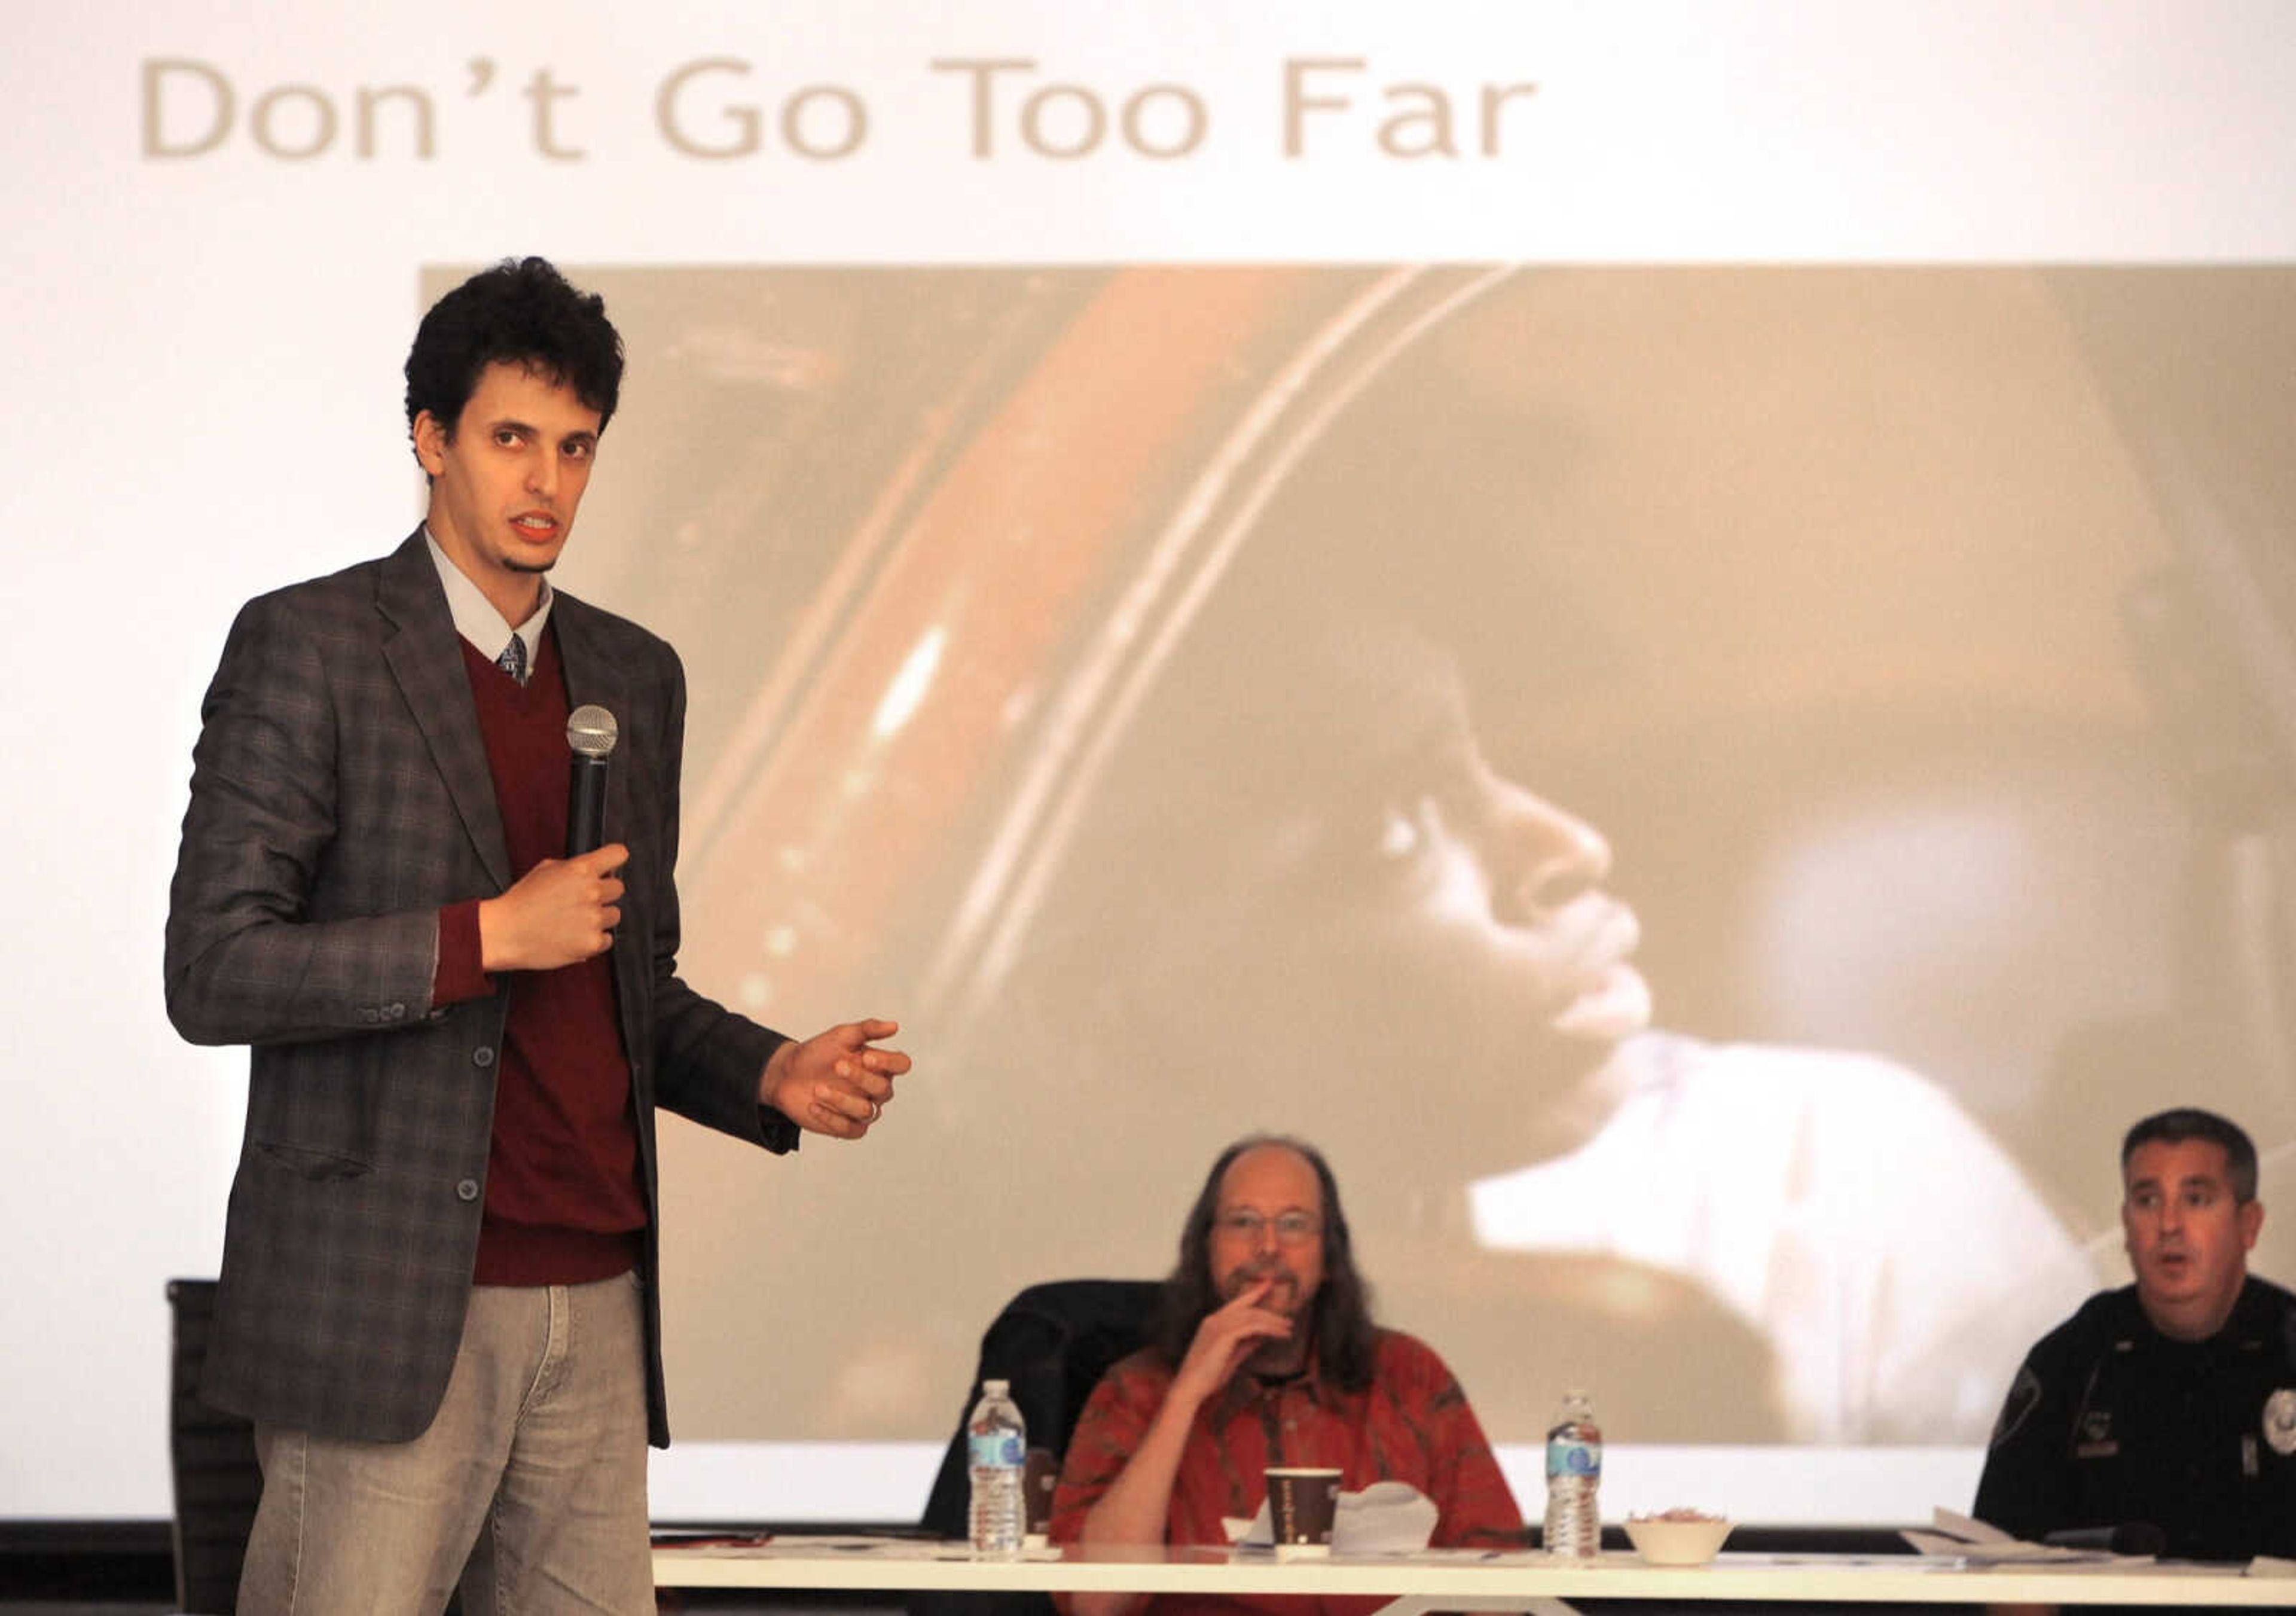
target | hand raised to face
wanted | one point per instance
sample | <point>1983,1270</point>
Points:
<point>1229,1335</point>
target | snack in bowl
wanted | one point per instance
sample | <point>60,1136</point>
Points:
<point>1677,1537</point>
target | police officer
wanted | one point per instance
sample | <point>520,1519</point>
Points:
<point>2172,1402</point>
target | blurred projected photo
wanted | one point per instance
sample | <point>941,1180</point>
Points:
<point>1712,793</point>
<point>1403,911</point>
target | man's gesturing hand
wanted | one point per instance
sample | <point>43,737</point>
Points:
<point>1226,1337</point>
<point>561,911</point>
<point>834,1083</point>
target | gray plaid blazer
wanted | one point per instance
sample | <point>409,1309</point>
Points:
<point>341,797</point>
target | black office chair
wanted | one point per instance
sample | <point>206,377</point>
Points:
<point>212,1454</point>
<point>1051,1343</point>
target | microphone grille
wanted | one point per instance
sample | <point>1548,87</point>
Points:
<point>591,730</point>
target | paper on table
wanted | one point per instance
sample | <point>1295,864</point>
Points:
<point>1968,1538</point>
<point>1385,1518</point>
<point>788,1546</point>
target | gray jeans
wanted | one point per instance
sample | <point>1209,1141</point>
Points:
<point>533,1473</point>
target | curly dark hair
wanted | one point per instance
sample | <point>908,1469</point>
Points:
<point>521,311</point>
<point>2190,1122</point>
<point>1341,1317</point>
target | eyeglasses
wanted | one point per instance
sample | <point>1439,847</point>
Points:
<point>1245,1227</point>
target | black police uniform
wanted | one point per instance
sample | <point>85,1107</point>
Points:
<point>2111,1423</point>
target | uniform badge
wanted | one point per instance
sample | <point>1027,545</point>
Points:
<point>2024,1397</point>
<point>2094,1440</point>
<point>2280,1422</point>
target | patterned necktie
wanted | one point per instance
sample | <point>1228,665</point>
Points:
<point>513,660</point>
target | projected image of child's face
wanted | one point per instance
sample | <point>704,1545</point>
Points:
<point>1486,899</point>
<point>1318,841</point>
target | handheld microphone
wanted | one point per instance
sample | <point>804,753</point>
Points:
<point>591,732</point>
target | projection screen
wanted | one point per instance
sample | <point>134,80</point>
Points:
<point>1669,630</point>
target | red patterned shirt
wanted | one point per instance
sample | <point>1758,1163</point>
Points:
<point>1413,1424</point>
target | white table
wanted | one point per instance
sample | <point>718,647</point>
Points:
<point>1461,1579</point>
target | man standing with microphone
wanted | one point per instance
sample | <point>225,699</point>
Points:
<point>439,1299</point>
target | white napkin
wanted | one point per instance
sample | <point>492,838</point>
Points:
<point>1385,1518</point>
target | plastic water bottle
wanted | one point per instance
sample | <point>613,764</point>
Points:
<point>1574,1480</point>
<point>996,1445</point>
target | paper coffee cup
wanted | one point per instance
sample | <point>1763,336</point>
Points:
<point>1302,1503</point>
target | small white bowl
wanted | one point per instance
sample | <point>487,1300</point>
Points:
<point>1678,1542</point>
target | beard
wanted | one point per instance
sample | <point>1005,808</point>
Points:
<point>1276,1355</point>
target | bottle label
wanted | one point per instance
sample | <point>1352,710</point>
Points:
<point>995,1450</point>
<point>1572,1459</point>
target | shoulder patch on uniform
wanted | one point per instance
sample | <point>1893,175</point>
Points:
<point>2024,1397</point>
<point>2280,1422</point>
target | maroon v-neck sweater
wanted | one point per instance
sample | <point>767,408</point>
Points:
<point>564,1202</point>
